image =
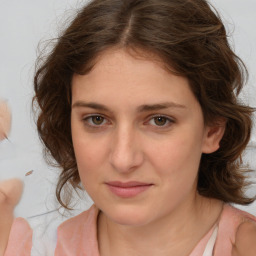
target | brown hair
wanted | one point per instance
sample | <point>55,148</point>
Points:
<point>190,39</point>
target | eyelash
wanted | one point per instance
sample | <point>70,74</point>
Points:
<point>89,123</point>
<point>168,120</point>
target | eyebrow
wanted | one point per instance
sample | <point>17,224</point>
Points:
<point>82,104</point>
<point>142,108</point>
<point>159,106</point>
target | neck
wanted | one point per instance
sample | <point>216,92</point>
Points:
<point>174,234</point>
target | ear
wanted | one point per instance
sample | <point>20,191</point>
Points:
<point>213,135</point>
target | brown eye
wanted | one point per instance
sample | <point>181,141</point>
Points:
<point>97,120</point>
<point>160,120</point>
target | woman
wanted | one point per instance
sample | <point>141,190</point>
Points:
<point>138,104</point>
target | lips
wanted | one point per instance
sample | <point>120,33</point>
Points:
<point>127,189</point>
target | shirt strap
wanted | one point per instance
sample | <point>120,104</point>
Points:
<point>211,242</point>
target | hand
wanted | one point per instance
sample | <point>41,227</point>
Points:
<point>5,120</point>
<point>10,190</point>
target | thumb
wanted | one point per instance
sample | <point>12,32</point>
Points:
<point>11,191</point>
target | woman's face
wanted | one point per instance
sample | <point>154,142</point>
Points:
<point>138,134</point>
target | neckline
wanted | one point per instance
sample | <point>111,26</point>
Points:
<point>202,243</point>
<point>209,248</point>
<point>200,247</point>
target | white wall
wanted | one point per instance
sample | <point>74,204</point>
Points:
<point>22,25</point>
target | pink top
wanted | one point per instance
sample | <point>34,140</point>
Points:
<point>78,235</point>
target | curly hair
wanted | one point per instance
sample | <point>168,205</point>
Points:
<point>191,40</point>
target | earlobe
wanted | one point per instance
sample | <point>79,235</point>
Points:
<point>213,136</point>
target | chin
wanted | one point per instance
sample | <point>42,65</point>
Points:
<point>129,215</point>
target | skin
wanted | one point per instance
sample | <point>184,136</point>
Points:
<point>130,145</point>
<point>245,243</point>
<point>10,194</point>
<point>5,120</point>
<point>10,190</point>
<point>125,142</point>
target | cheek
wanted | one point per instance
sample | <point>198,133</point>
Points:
<point>177,157</point>
<point>90,155</point>
<point>86,155</point>
<point>178,150</point>
<point>87,165</point>
<point>86,148</point>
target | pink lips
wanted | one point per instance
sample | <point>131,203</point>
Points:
<point>127,189</point>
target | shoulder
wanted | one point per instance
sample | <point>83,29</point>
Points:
<point>20,239</point>
<point>74,224</point>
<point>236,232</point>
<point>245,241</point>
<point>83,230</point>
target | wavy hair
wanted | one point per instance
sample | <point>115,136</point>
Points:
<point>191,41</point>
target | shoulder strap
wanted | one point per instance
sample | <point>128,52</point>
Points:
<point>211,242</point>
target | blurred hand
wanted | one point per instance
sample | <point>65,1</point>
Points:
<point>5,120</point>
<point>10,190</point>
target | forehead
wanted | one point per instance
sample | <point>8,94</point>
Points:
<point>126,61</point>
<point>120,76</point>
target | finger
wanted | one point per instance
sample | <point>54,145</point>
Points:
<point>11,191</point>
<point>5,120</point>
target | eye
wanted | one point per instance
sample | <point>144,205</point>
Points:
<point>95,120</point>
<point>160,121</point>
<point>98,120</point>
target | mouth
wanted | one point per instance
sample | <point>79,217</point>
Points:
<point>128,189</point>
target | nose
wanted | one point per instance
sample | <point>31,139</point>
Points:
<point>126,150</point>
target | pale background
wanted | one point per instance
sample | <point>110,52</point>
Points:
<point>22,25</point>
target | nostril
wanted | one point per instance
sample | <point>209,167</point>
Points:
<point>126,162</point>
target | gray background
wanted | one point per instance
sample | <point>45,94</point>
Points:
<point>23,23</point>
